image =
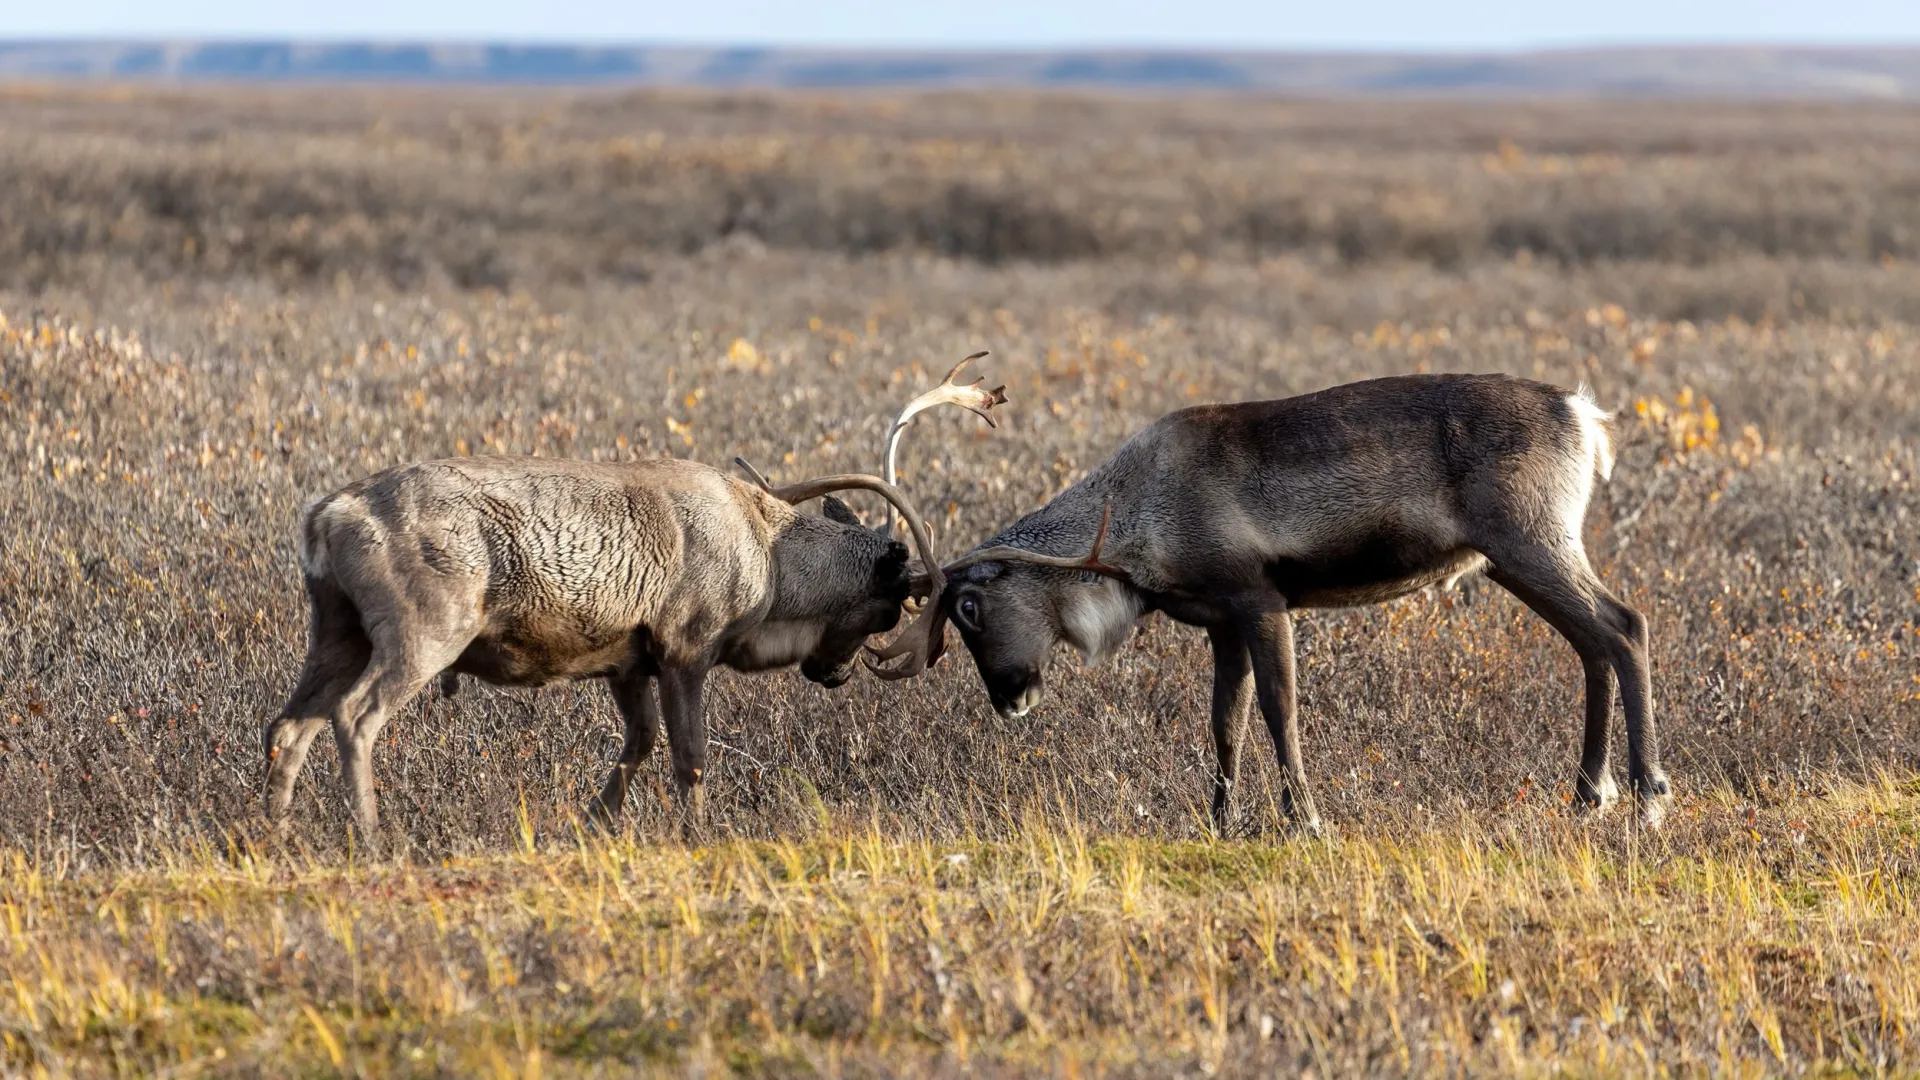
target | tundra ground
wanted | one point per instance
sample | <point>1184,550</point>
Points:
<point>218,305</point>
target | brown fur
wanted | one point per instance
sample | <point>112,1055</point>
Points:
<point>1230,517</point>
<point>525,571</point>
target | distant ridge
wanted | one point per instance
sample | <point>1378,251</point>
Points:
<point>1729,72</point>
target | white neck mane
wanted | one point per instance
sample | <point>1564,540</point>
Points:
<point>1097,619</point>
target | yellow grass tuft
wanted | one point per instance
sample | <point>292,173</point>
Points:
<point>1741,940</point>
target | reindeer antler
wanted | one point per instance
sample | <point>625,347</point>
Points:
<point>753,474</point>
<point>969,396</point>
<point>924,639</point>
<point>1090,562</point>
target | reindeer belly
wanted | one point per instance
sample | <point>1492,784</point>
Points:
<point>563,606</point>
<point>1380,569</point>
<point>552,628</point>
<point>535,651</point>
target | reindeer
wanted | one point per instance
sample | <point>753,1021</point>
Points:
<point>523,571</point>
<point>1233,517</point>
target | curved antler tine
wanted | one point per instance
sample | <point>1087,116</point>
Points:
<point>954,373</point>
<point>1093,561</point>
<point>753,474</point>
<point>922,643</point>
<point>969,396</point>
<point>1090,562</point>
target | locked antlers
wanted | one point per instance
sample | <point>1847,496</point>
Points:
<point>924,639</point>
<point>921,642</point>
<point>923,646</point>
<point>969,396</point>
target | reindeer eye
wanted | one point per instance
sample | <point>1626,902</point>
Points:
<point>968,610</point>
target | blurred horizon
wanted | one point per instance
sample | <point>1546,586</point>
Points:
<point>1735,48</point>
<point>1369,26</point>
<point>1729,71</point>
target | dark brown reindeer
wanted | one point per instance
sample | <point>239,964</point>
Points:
<point>523,571</point>
<point>1232,517</point>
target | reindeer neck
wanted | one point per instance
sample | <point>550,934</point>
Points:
<point>1067,524</point>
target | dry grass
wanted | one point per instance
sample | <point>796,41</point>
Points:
<point>163,417</point>
<point>1739,942</point>
<point>482,189</point>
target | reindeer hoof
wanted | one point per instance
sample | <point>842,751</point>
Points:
<point>1590,801</point>
<point>601,820</point>
<point>1655,797</point>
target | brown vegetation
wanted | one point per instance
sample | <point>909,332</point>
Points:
<point>484,190</point>
<point>218,306</point>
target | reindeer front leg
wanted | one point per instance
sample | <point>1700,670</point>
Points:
<point>633,693</point>
<point>1269,637</point>
<point>1232,699</point>
<point>681,687</point>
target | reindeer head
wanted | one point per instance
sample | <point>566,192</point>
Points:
<point>1003,614</point>
<point>1013,606</point>
<point>839,582</point>
<point>891,581</point>
<point>866,605</point>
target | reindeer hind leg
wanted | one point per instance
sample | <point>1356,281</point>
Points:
<point>1630,647</point>
<point>394,674</point>
<point>337,652</point>
<point>410,642</point>
<point>1558,583</point>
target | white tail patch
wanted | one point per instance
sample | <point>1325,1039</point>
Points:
<point>318,520</point>
<point>311,540</point>
<point>1595,435</point>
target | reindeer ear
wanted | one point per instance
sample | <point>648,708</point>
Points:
<point>919,582</point>
<point>836,510</point>
<point>892,579</point>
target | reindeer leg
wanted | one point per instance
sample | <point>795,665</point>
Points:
<point>1269,638</point>
<point>1644,774</point>
<point>680,700</point>
<point>336,655</point>
<point>394,675</point>
<point>1560,585</point>
<point>286,740</point>
<point>633,693</point>
<point>1594,789</point>
<point>1232,699</point>
<point>288,736</point>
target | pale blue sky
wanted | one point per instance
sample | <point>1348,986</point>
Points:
<point>1322,24</point>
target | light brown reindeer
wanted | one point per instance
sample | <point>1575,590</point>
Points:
<point>523,571</point>
<point>1232,517</point>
